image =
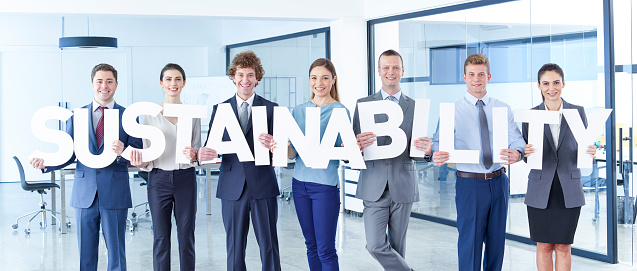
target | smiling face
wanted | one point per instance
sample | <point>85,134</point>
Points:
<point>104,86</point>
<point>390,70</point>
<point>551,84</point>
<point>172,82</point>
<point>321,81</point>
<point>476,77</point>
<point>245,79</point>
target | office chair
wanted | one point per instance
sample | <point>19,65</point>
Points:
<point>133,225</point>
<point>287,195</point>
<point>594,182</point>
<point>40,188</point>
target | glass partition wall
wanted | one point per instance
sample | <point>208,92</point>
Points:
<point>518,37</point>
<point>625,58</point>
<point>286,61</point>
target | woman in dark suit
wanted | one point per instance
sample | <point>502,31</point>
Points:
<point>554,195</point>
<point>172,187</point>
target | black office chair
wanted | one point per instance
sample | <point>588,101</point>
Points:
<point>133,225</point>
<point>40,188</point>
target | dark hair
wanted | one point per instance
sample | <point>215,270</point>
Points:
<point>549,67</point>
<point>326,63</point>
<point>477,59</point>
<point>172,66</point>
<point>246,59</point>
<point>390,52</point>
<point>103,67</point>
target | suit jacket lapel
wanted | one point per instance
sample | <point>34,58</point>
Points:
<point>563,125</point>
<point>233,104</point>
<point>256,102</point>
<point>547,130</point>
<point>404,103</point>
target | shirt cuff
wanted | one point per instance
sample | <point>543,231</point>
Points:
<point>147,168</point>
<point>194,163</point>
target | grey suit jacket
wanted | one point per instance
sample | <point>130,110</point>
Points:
<point>398,172</point>
<point>560,160</point>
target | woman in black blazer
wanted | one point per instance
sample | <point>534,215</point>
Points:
<point>554,195</point>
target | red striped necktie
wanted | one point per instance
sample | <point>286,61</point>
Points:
<point>99,131</point>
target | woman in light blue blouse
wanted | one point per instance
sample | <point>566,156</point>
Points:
<point>316,195</point>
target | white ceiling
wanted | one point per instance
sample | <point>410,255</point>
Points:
<point>325,10</point>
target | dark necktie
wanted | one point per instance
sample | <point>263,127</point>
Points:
<point>99,130</point>
<point>487,155</point>
<point>243,117</point>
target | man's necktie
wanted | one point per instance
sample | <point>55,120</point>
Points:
<point>243,117</point>
<point>99,131</point>
<point>391,98</point>
<point>487,155</point>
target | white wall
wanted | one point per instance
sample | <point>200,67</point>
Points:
<point>21,94</point>
<point>280,9</point>
<point>348,43</point>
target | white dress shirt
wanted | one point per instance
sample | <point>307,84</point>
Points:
<point>397,95</point>
<point>167,159</point>
<point>555,128</point>
<point>467,131</point>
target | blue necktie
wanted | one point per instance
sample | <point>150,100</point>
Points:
<point>487,155</point>
<point>391,98</point>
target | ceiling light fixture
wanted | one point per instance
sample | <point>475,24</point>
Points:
<point>86,41</point>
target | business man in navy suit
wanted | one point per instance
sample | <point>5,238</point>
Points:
<point>247,190</point>
<point>100,196</point>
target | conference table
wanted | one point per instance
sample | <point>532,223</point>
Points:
<point>71,170</point>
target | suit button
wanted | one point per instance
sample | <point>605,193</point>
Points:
<point>387,164</point>
<point>555,161</point>
<point>245,165</point>
<point>98,172</point>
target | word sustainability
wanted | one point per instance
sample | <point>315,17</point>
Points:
<point>226,137</point>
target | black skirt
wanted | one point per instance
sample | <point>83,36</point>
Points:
<point>556,224</point>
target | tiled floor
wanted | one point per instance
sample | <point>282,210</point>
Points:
<point>430,246</point>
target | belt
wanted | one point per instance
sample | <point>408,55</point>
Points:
<point>483,176</point>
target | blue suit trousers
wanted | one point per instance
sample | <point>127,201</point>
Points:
<point>482,210</point>
<point>113,223</point>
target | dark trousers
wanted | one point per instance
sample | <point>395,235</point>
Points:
<point>167,191</point>
<point>482,210</point>
<point>236,220</point>
<point>317,207</point>
<point>113,223</point>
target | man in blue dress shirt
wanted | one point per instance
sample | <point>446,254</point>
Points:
<point>482,190</point>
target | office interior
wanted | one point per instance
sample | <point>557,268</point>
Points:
<point>594,41</point>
